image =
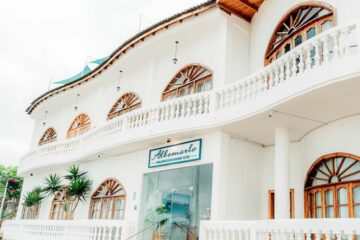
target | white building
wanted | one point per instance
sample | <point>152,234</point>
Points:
<point>256,118</point>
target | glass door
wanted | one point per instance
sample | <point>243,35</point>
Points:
<point>174,202</point>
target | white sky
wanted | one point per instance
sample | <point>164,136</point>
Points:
<point>40,39</point>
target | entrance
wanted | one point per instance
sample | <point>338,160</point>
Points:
<point>174,202</point>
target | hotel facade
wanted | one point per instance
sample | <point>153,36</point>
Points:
<point>235,119</point>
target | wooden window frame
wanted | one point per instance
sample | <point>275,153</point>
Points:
<point>192,81</point>
<point>333,171</point>
<point>271,51</point>
<point>85,123</point>
<point>112,196</point>
<point>271,203</point>
<point>48,136</point>
<point>60,200</point>
<point>133,102</point>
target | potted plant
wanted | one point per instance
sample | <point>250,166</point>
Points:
<point>32,201</point>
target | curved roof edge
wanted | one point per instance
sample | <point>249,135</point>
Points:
<point>243,5</point>
<point>130,43</point>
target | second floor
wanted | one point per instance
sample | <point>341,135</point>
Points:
<point>201,64</point>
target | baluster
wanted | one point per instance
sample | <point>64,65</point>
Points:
<point>139,116</point>
<point>256,88</point>
<point>307,57</point>
<point>222,99</point>
<point>263,82</point>
<point>294,64</point>
<point>233,95</point>
<point>253,87</point>
<point>276,75</point>
<point>239,94</point>
<point>282,72</point>
<point>209,102</point>
<point>350,236</point>
<point>301,61</point>
<point>203,100</point>
<point>272,76</point>
<point>345,35</point>
<point>325,48</point>
<point>177,110</point>
<point>163,110</point>
<point>189,103</point>
<point>335,37</point>
<point>288,68</point>
<point>308,236</point>
<point>317,56</point>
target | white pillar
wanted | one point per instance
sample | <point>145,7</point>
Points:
<point>220,176</point>
<point>282,185</point>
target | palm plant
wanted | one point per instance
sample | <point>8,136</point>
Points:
<point>74,173</point>
<point>52,184</point>
<point>33,200</point>
<point>77,190</point>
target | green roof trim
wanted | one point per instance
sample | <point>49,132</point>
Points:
<point>100,60</point>
<point>85,71</point>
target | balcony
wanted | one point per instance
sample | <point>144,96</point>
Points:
<point>309,229</point>
<point>327,59</point>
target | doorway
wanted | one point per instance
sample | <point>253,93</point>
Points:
<point>174,202</point>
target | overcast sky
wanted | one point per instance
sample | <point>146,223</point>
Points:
<point>43,39</point>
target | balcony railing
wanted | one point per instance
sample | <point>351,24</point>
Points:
<point>282,79</point>
<point>299,229</point>
<point>295,229</point>
<point>67,230</point>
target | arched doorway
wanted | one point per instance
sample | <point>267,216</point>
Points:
<point>332,187</point>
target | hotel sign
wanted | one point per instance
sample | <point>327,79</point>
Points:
<point>176,153</point>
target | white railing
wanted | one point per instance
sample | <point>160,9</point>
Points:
<point>67,230</point>
<point>324,51</point>
<point>299,229</point>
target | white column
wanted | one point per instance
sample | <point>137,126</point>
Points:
<point>220,176</point>
<point>282,185</point>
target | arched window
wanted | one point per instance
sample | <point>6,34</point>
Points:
<point>332,187</point>
<point>48,136</point>
<point>79,125</point>
<point>126,103</point>
<point>191,79</point>
<point>298,25</point>
<point>61,206</point>
<point>108,201</point>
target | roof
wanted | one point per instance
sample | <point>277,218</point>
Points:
<point>230,6</point>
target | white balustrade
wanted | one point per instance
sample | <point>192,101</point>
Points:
<point>325,48</point>
<point>67,229</point>
<point>292,229</point>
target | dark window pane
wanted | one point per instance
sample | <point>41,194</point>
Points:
<point>298,40</point>
<point>310,33</point>
<point>287,48</point>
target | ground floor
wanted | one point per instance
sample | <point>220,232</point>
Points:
<point>168,189</point>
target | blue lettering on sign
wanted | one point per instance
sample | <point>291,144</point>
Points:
<point>177,153</point>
